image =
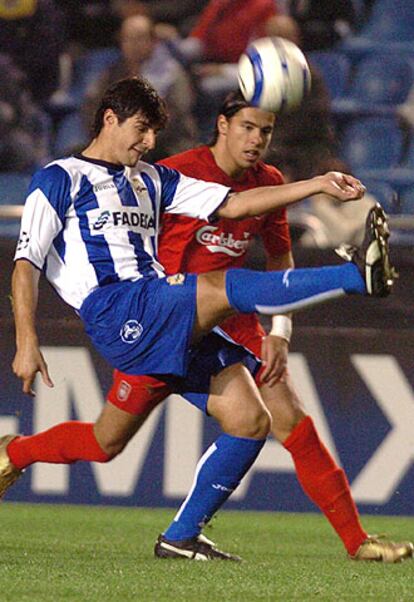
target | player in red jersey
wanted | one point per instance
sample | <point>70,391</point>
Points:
<point>234,159</point>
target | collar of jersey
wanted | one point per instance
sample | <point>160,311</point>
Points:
<point>107,164</point>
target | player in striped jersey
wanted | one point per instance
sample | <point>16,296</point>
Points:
<point>91,223</point>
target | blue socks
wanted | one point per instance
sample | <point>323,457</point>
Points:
<point>218,473</point>
<point>281,292</point>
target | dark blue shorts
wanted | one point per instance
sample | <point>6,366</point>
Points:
<point>143,327</point>
<point>140,394</point>
<point>207,358</point>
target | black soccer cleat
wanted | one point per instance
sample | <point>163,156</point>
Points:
<point>196,548</point>
<point>372,257</point>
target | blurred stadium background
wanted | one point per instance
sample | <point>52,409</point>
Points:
<point>352,361</point>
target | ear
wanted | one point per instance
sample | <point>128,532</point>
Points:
<point>109,117</point>
<point>222,125</point>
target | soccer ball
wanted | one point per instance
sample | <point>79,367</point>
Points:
<point>274,75</point>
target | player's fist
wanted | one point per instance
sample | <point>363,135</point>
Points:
<point>342,187</point>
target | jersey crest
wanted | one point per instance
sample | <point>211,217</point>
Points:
<point>176,279</point>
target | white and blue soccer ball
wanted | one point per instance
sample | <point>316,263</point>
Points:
<point>274,75</point>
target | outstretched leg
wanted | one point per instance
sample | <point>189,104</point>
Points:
<point>369,272</point>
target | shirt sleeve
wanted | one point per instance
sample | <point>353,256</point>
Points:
<point>43,215</point>
<point>188,196</point>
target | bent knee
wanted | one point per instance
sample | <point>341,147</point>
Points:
<point>262,425</point>
<point>252,425</point>
<point>112,450</point>
<point>114,428</point>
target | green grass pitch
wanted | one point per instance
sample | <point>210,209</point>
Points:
<point>88,554</point>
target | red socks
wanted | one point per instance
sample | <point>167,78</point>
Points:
<point>325,483</point>
<point>62,444</point>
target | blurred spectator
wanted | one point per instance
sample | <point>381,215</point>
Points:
<point>221,34</point>
<point>322,23</point>
<point>225,27</point>
<point>143,54</point>
<point>180,15</point>
<point>339,222</point>
<point>304,145</point>
<point>32,33</point>
<point>343,224</point>
<point>24,129</point>
<point>304,141</point>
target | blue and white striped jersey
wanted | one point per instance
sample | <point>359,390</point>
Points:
<point>89,223</point>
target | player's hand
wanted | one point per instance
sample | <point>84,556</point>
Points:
<point>342,187</point>
<point>27,362</point>
<point>274,359</point>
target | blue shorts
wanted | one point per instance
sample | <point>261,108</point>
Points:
<point>207,358</point>
<point>143,327</point>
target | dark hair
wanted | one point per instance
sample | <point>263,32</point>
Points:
<point>232,104</point>
<point>128,97</point>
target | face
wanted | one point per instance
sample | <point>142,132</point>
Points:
<point>137,41</point>
<point>245,137</point>
<point>128,141</point>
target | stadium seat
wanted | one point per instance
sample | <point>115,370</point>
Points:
<point>13,188</point>
<point>383,80</point>
<point>13,191</point>
<point>372,143</point>
<point>334,68</point>
<point>399,177</point>
<point>380,83</point>
<point>407,200</point>
<point>390,23</point>
<point>391,20</point>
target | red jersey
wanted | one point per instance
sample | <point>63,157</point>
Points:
<point>191,245</point>
<point>227,26</point>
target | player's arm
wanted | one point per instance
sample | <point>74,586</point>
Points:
<point>275,345</point>
<point>260,201</point>
<point>42,220</point>
<point>28,359</point>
